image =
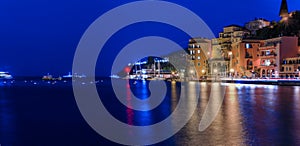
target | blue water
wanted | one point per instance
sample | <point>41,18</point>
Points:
<point>35,112</point>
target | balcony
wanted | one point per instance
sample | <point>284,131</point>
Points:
<point>268,56</point>
<point>271,65</point>
<point>267,48</point>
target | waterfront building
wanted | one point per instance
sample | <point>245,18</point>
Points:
<point>199,53</point>
<point>257,24</point>
<point>221,60</point>
<point>245,59</point>
<point>290,67</point>
<point>217,62</point>
<point>273,52</point>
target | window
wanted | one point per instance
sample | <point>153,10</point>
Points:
<point>199,58</point>
<point>199,64</point>
<point>268,53</point>
<point>248,46</point>
<point>191,52</point>
<point>198,51</point>
<point>267,63</point>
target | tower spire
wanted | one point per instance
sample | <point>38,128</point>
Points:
<point>283,9</point>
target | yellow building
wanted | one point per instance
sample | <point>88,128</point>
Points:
<point>199,53</point>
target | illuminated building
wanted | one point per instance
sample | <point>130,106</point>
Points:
<point>245,57</point>
<point>199,52</point>
<point>273,52</point>
<point>257,24</point>
<point>222,47</point>
<point>290,67</point>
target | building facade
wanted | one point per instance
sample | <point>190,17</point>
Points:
<point>257,24</point>
<point>245,57</point>
<point>290,67</point>
<point>199,53</point>
<point>273,52</point>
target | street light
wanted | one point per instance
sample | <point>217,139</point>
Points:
<point>215,71</point>
<point>230,63</point>
<point>231,73</point>
<point>192,74</point>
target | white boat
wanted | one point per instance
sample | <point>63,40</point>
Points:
<point>75,75</point>
<point>5,75</point>
<point>114,76</point>
<point>68,76</point>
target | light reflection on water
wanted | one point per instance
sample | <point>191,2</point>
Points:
<point>249,115</point>
<point>7,118</point>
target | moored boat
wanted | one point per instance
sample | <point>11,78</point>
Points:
<point>5,75</point>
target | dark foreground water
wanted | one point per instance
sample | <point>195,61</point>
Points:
<point>45,113</point>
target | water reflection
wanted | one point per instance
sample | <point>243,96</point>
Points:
<point>249,115</point>
<point>7,118</point>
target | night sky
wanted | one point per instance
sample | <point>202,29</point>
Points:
<point>41,36</point>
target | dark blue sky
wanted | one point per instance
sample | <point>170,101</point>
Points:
<point>40,36</point>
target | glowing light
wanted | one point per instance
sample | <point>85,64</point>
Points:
<point>215,70</point>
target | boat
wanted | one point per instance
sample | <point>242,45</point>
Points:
<point>47,77</point>
<point>73,76</point>
<point>68,76</point>
<point>114,76</point>
<point>5,75</point>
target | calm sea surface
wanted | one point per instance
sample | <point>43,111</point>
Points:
<point>35,112</point>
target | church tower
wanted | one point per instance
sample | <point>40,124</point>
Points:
<point>284,9</point>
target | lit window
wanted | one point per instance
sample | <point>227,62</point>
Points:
<point>267,63</point>
<point>191,52</point>
<point>248,46</point>
<point>198,57</point>
<point>198,51</point>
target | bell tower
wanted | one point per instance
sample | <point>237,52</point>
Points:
<point>284,9</point>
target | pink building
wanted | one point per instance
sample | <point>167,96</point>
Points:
<point>273,52</point>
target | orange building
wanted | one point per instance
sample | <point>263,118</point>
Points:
<point>199,51</point>
<point>273,53</point>
<point>245,57</point>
